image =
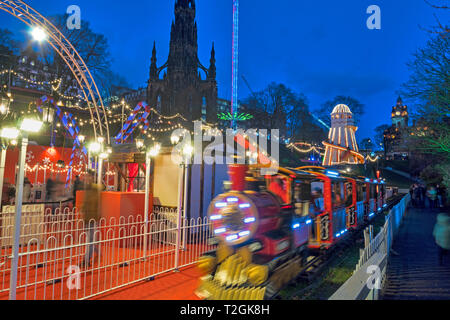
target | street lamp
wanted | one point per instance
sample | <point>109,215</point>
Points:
<point>28,125</point>
<point>96,148</point>
<point>139,143</point>
<point>31,125</point>
<point>174,139</point>
<point>5,102</point>
<point>186,151</point>
<point>48,113</point>
<point>38,34</point>
<point>149,154</point>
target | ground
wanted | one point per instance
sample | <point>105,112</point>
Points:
<point>414,274</point>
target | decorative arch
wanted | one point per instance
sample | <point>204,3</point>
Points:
<point>71,57</point>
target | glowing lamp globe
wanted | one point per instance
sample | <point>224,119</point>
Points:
<point>31,125</point>
<point>38,34</point>
<point>95,147</point>
<point>9,133</point>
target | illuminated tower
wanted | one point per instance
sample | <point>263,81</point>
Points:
<point>400,115</point>
<point>235,63</point>
<point>341,146</point>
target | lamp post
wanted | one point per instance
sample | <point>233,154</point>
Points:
<point>5,102</point>
<point>186,151</point>
<point>149,154</point>
<point>28,125</point>
<point>95,148</point>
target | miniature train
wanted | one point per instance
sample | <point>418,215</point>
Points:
<point>267,226</point>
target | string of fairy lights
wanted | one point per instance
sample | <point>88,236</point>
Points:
<point>31,81</point>
<point>78,170</point>
<point>310,148</point>
<point>369,158</point>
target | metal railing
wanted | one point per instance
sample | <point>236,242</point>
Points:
<point>382,243</point>
<point>54,246</point>
<point>374,256</point>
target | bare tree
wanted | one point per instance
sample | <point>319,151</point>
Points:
<point>282,108</point>
<point>357,108</point>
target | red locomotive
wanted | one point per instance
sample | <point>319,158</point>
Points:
<point>266,226</point>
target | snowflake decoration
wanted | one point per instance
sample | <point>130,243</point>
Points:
<point>29,156</point>
<point>46,161</point>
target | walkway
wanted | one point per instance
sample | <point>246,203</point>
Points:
<point>414,274</point>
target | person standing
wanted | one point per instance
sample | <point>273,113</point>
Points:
<point>26,190</point>
<point>77,186</point>
<point>49,188</point>
<point>441,234</point>
<point>441,193</point>
<point>411,194</point>
<point>91,215</point>
<point>432,197</point>
<point>423,197</point>
<point>417,196</point>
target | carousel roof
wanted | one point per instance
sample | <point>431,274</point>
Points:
<point>341,108</point>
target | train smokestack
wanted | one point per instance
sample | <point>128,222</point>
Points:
<point>237,173</point>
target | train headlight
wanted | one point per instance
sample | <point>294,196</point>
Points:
<point>234,218</point>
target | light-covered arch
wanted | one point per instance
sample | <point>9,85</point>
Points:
<point>71,57</point>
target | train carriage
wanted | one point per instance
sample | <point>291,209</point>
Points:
<point>266,226</point>
<point>338,214</point>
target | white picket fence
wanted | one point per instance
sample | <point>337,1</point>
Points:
<point>53,247</point>
<point>369,275</point>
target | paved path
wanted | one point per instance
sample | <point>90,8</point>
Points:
<point>414,274</point>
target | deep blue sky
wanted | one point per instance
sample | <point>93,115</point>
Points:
<point>320,48</point>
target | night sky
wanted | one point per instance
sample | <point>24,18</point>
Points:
<point>320,48</point>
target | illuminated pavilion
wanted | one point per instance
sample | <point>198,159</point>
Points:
<point>341,146</point>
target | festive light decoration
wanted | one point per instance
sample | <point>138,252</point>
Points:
<point>369,158</point>
<point>235,62</point>
<point>310,147</point>
<point>342,146</point>
<point>38,83</point>
<point>237,117</point>
<point>68,121</point>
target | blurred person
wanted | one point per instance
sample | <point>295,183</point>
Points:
<point>315,209</point>
<point>417,196</point>
<point>5,192</point>
<point>432,196</point>
<point>49,189</point>
<point>349,199</point>
<point>12,194</point>
<point>423,193</point>
<point>91,215</point>
<point>316,195</point>
<point>277,187</point>
<point>26,190</point>
<point>77,186</point>
<point>441,234</point>
<point>412,192</point>
<point>58,190</point>
<point>441,193</point>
